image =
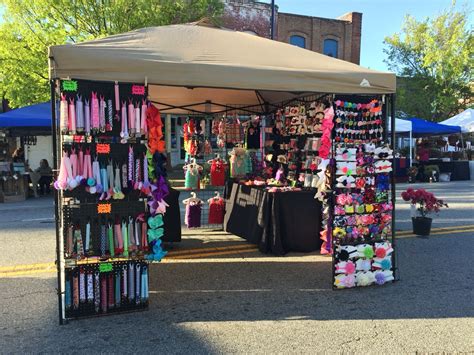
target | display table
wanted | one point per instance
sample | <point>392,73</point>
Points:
<point>277,222</point>
<point>459,169</point>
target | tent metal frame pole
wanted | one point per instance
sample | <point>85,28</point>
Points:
<point>393,188</point>
<point>57,206</point>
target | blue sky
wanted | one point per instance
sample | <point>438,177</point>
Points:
<point>380,18</point>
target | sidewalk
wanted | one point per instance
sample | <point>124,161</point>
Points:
<point>31,203</point>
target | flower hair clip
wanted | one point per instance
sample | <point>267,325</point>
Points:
<point>363,265</point>
<point>346,252</point>
<point>382,277</point>
<point>345,168</point>
<point>339,211</point>
<point>344,281</point>
<point>383,249</point>
<point>383,166</point>
<point>365,278</point>
<point>365,251</point>
<point>345,182</point>
<point>345,267</point>
<point>344,199</point>
<point>339,233</point>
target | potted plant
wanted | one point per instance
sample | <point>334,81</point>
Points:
<point>412,173</point>
<point>424,203</point>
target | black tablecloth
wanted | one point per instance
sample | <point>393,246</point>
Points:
<point>459,169</point>
<point>172,218</point>
<point>277,222</point>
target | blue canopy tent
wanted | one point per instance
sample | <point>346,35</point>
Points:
<point>34,120</point>
<point>422,128</point>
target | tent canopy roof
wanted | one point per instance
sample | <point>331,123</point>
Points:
<point>28,120</point>
<point>198,56</point>
<point>401,126</point>
<point>426,128</point>
<point>464,119</point>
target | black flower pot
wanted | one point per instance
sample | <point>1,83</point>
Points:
<point>421,225</point>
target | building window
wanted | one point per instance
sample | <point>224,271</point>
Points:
<point>298,41</point>
<point>330,47</point>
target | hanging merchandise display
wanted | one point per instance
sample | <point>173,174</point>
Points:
<point>111,188</point>
<point>362,207</point>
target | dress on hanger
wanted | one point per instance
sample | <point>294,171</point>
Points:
<point>218,172</point>
<point>191,179</point>
<point>193,214</point>
<point>216,210</point>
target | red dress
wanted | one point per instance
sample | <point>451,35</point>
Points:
<point>218,172</point>
<point>216,210</point>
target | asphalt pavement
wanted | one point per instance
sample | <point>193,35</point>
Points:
<point>217,294</point>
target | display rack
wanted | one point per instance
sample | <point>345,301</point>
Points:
<point>102,216</point>
<point>362,212</point>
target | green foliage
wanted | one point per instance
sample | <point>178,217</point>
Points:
<point>434,59</point>
<point>30,27</point>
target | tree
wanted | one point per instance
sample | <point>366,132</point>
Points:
<point>434,60</point>
<point>30,27</point>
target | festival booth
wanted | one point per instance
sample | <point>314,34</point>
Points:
<point>29,128</point>
<point>456,169</point>
<point>297,140</point>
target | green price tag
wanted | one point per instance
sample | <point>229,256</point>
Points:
<point>105,267</point>
<point>69,85</point>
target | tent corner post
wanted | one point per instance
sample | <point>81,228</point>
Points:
<point>393,190</point>
<point>59,263</point>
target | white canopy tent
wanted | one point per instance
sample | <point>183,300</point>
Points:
<point>403,127</point>
<point>465,120</point>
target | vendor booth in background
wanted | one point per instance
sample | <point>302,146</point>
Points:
<point>27,129</point>
<point>465,120</point>
<point>403,159</point>
<point>289,126</point>
<point>440,164</point>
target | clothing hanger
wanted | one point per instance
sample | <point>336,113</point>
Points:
<point>193,198</point>
<point>216,197</point>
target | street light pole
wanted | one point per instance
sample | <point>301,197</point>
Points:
<point>272,19</point>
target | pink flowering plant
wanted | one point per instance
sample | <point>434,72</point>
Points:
<point>425,201</point>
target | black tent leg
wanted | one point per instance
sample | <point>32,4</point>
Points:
<point>57,206</point>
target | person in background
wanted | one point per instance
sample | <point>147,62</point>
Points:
<point>18,155</point>
<point>46,174</point>
<point>423,157</point>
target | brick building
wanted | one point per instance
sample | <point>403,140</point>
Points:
<point>339,38</point>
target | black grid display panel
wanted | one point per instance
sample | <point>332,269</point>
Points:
<point>98,292</point>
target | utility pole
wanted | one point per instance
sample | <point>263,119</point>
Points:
<point>272,19</point>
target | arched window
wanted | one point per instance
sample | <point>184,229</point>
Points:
<point>330,47</point>
<point>298,41</point>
